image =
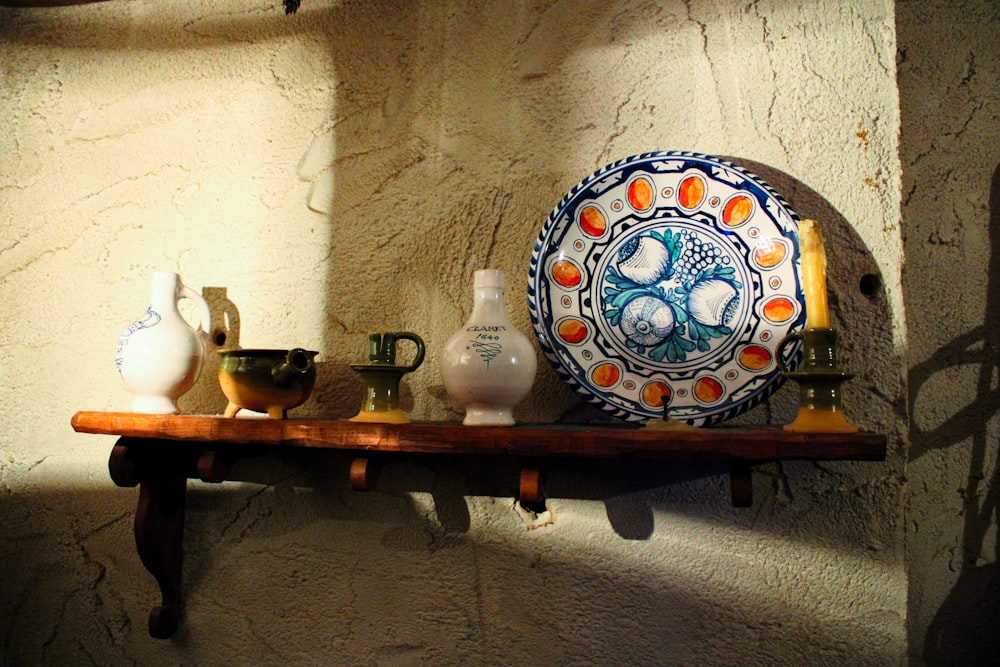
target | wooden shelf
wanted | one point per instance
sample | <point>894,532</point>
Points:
<point>703,444</point>
<point>159,453</point>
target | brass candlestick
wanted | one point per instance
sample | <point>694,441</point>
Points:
<point>819,379</point>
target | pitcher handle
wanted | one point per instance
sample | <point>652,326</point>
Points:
<point>779,352</point>
<point>203,311</point>
<point>419,342</point>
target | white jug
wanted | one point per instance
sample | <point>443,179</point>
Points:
<point>160,355</point>
<point>488,366</point>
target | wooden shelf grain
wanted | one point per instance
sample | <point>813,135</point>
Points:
<point>703,444</point>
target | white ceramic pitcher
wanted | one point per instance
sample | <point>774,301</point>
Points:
<point>160,355</point>
<point>488,366</point>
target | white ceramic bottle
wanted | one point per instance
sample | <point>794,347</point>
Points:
<point>160,355</point>
<point>488,366</point>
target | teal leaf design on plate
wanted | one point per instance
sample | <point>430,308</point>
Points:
<point>726,273</point>
<point>688,334</point>
<point>631,344</point>
<point>677,305</point>
<point>702,334</point>
<point>674,349</point>
<point>618,279</point>
<point>621,291</point>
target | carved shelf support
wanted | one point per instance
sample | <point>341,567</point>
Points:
<point>741,484</point>
<point>159,453</point>
<point>531,486</point>
<point>213,467</point>
<point>363,474</point>
<point>159,522</point>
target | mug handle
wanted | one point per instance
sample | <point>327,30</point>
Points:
<point>419,342</point>
<point>779,351</point>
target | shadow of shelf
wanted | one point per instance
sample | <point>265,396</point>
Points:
<point>159,453</point>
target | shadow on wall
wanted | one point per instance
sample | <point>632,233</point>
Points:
<point>299,565</point>
<point>971,611</point>
<point>445,179</point>
<point>433,191</point>
<point>331,378</point>
<point>417,159</point>
<point>525,601</point>
<point>951,217</point>
<point>859,306</point>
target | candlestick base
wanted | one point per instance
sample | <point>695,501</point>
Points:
<point>820,408</point>
<point>810,420</point>
<point>819,380</point>
<point>380,403</point>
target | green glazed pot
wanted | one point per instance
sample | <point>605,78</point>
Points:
<point>271,381</point>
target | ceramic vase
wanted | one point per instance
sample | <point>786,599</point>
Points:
<point>160,355</point>
<point>488,366</point>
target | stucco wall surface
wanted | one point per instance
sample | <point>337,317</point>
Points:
<point>345,170</point>
<point>950,149</point>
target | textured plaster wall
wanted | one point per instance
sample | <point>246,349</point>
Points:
<point>345,170</point>
<point>950,150</point>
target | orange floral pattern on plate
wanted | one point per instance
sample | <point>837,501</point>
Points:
<point>640,194</point>
<point>737,210</point>
<point>769,253</point>
<point>755,357</point>
<point>572,330</point>
<point>779,309</point>
<point>656,394</point>
<point>592,221</point>
<point>605,375</point>
<point>566,273</point>
<point>708,389</point>
<point>691,192</point>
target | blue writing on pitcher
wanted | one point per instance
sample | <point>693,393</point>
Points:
<point>486,345</point>
<point>150,319</point>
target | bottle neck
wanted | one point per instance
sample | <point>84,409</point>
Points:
<point>164,293</point>
<point>489,305</point>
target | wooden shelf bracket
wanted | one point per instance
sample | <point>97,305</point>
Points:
<point>531,485</point>
<point>159,453</point>
<point>158,525</point>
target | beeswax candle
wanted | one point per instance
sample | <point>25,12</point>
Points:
<point>814,274</point>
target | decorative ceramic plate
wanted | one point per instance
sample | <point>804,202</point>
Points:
<point>668,279</point>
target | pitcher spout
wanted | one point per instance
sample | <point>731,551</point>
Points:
<point>297,363</point>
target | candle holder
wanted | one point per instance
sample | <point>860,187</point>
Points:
<point>819,380</point>
<point>381,375</point>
